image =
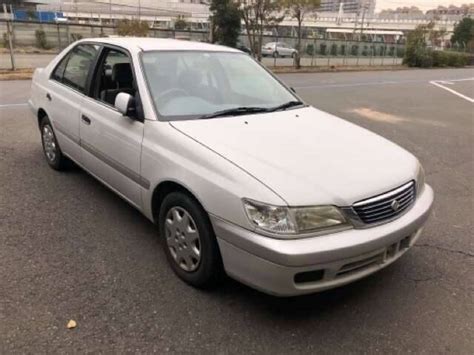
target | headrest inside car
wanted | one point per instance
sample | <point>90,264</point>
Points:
<point>122,73</point>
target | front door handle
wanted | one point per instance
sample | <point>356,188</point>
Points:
<point>48,96</point>
<point>86,119</point>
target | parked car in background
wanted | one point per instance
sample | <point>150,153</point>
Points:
<point>242,47</point>
<point>278,49</point>
<point>239,174</point>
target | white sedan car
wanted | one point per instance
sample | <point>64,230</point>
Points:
<point>278,49</point>
<point>240,176</point>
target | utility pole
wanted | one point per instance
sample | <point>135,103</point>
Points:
<point>363,18</point>
<point>9,34</point>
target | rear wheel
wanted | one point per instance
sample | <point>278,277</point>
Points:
<point>51,149</point>
<point>189,241</point>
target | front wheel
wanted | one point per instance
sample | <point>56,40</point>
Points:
<point>275,54</point>
<point>293,55</point>
<point>189,241</point>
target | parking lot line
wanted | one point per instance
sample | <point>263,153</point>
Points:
<point>441,84</point>
<point>13,105</point>
<point>375,83</point>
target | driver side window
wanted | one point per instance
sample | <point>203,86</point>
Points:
<point>114,75</point>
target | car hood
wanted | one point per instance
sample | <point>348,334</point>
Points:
<point>306,156</point>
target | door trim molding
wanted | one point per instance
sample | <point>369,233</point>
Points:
<point>135,177</point>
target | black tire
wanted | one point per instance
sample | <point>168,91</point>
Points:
<point>275,54</point>
<point>209,270</point>
<point>59,162</point>
<point>293,55</point>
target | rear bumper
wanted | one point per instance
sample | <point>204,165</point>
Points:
<point>295,267</point>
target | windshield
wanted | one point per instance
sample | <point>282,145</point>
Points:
<point>194,84</point>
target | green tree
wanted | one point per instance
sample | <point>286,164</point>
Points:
<point>127,27</point>
<point>41,41</point>
<point>417,53</point>
<point>31,14</point>
<point>180,23</point>
<point>225,19</point>
<point>464,33</point>
<point>299,10</point>
<point>258,14</point>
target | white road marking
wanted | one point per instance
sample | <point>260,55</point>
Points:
<point>440,85</point>
<point>375,83</point>
<point>467,79</point>
<point>13,105</point>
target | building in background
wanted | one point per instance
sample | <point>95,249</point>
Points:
<point>348,6</point>
<point>405,12</point>
<point>159,13</point>
<point>451,11</point>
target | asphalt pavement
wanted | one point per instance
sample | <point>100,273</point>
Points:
<point>71,249</point>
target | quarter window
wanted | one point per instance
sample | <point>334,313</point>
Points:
<point>59,70</point>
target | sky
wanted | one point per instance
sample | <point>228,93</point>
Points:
<point>422,4</point>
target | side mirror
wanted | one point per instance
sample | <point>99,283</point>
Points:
<point>125,104</point>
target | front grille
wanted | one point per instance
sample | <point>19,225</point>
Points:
<point>386,206</point>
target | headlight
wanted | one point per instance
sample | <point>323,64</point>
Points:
<point>273,219</point>
<point>420,180</point>
<point>294,220</point>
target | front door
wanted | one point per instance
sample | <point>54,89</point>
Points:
<point>111,142</point>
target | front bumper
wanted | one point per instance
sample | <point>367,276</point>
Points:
<point>294,267</point>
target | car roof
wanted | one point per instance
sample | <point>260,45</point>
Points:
<point>138,44</point>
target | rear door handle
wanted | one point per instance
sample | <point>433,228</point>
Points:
<point>48,96</point>
<point>86,119</point>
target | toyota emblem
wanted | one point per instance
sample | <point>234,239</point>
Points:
<point>395,205</point>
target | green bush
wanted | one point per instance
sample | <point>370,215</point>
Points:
<point>449,59</point>
<point>430,58</point>
<point>133,27</point>
<point>334,49</point>
<point>440,59</point>
<point>355,50</point>
<point>322,48</point>
<point>310,49</point>
<point>41,41</point>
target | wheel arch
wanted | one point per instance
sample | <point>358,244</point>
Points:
<point>40,115</point>
<point>162,190</point>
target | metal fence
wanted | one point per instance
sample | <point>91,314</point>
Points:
<point>332,52</point>
<point>35,44</point>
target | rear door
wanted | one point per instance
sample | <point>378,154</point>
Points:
<point>285,50</point>
<point>111,142</point>
<point>65,93</point>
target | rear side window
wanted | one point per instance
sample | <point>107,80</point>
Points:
<point>74,69</point>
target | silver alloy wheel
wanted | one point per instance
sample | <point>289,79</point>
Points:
<point>182,238</point>
<point>49,143</point>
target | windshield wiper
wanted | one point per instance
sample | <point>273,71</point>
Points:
<point>286,106</point>
<point>235,111</point>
